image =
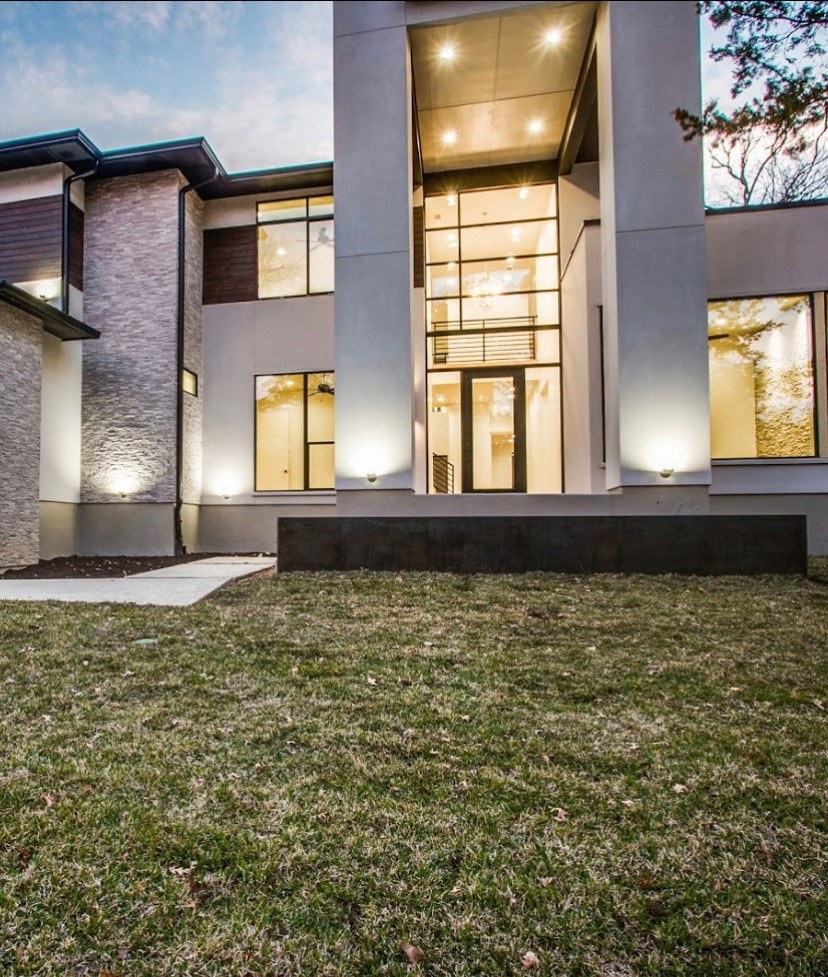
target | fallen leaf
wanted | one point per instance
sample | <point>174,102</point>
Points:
<point>48,800</point>
<point>529,960</point>
<point>545,881</point>
<point>628,803</point>
<point>24,856</point>
<point>678,789</point>
<point>145,641</point>
<point>371,681</point>
<point>559,814</point>
<point>414,953</point>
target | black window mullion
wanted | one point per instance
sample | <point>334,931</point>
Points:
<point>306,452</point>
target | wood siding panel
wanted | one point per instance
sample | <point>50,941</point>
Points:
<point>31,239</point>
<point>75,247</point>
<point>230,265</point>
<point>418,233</point>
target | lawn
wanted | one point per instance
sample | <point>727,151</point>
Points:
<point>419,774</point>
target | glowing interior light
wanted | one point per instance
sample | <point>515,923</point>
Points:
<point>451,199</point>
<point>449,137</point>
<point>535,126</point>
<point>448,52</point>
<point>523,193</point>
<point>552,37</point>
<point>281,252</point>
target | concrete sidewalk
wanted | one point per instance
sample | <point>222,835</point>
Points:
<point>175,586</point>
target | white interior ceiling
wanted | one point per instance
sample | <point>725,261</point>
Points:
<point>503,77</point>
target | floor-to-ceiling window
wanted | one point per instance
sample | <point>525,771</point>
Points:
<point>493,334</point>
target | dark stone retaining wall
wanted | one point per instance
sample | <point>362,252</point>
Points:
<point>559,544</point>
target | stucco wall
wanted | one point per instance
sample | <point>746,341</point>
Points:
<point>766,251</point>
<point>60,420</point>
<point>20,356</point>
<point>242,340</point>
<point>130,294</point>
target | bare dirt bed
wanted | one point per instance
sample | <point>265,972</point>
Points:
<point>64,567</point>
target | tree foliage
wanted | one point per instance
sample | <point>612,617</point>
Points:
<point>772,144</point>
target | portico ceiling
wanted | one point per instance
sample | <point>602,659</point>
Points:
<point>498,89</point>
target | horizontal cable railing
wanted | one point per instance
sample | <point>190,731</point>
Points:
<point>482,347</point>
<point>473,325</point>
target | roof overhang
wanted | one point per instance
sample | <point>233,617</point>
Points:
<point>194,158</point>
<point>55,322</point>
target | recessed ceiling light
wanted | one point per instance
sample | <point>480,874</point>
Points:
<point>451,199</point>
<point>523,193</point>
<point>449,137</point>
<point>535,126</point>
<point>447,52</point>
<point>552,37</point>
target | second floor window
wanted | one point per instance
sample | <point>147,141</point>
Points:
<point>296,247</point>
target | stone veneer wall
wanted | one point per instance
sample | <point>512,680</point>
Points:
<point>129,376</point>
<point>193,359</point>
<point>21,345</point>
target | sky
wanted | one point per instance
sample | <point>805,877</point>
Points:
<point>254,78</point>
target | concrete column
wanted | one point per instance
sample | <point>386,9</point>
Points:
<point>374,356</point>
<point>653,246</point>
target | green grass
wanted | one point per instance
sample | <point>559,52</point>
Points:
<point>304,772</point>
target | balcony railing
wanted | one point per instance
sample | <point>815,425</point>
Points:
<point>442,474</point>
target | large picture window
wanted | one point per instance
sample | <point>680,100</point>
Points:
<point>295,247</point>
<point>761,355</point>
<point>294,432</point>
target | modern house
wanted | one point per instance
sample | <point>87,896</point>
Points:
<point>517,307</point>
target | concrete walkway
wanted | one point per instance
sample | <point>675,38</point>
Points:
<point>175,586</point>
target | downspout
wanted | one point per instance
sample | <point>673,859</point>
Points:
<point>64,254</point>
<point>179,360</point>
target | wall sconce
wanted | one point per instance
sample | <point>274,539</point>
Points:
<point>372,477</point>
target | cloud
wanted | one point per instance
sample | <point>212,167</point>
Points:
<point>262,99</point>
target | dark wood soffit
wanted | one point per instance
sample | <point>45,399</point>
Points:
<point>418,234</point>
<point>506,175</point>
<point>580,110</point>
<point>230,265</point>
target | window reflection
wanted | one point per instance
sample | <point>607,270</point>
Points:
<point>761,377</point>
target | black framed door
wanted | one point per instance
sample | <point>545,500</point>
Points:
<point>493,420</point>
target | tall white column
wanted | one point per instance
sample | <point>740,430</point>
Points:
<point>373,317</point>
<point>653,246</point>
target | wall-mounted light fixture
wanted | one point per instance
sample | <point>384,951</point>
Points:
<point>372,477</point>
<point>666,472</point>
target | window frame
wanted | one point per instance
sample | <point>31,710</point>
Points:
<point>430,334</point>
<point>307,220</point>
<point>306,445</point>
<point>810,295</point>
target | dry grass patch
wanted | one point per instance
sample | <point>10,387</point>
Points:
<point>390,774</point>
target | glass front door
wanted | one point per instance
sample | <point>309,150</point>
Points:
<point>494,430</point>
